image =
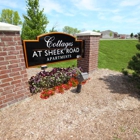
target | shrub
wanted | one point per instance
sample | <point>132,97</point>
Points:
<point>133,68</point>
<point>134,63</point>
<point>56,77</point>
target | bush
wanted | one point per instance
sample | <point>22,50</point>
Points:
<point>133,68</point>
<point>134,63</point>
<point>124,71</point>
<point>56,77</point>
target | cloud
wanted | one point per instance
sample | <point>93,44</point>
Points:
<point>133,21</point>
<point>105,14</point>
<point>84,14</point>
<point>85,4</point>
<point>102,16</point>
<point>6,3</point>
<point>14,5</point>
<point>117,18</point>
<point>51,5</point>
<point>129,3</point>
<point>69,14</point>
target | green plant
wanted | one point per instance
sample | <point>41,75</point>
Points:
<point>56,77</point>
<point>63,64</point>
<point>35,21</point>
<point>10,16</point>
<point>124,71</point>
<point>46,93</point>
<point>131,35</point>
<point>110,34</point>
<point>134,63</point>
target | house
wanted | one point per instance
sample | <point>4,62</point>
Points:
<point>109,34</point>
<point>124,36</point>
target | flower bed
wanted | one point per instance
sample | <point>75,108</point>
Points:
<point>73,82</point>
<point>55,81</point>
<point>46,93</point>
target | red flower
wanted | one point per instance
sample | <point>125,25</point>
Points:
<point>44,95</point>
<point>74,82</point>
<point>70,83</point>
<point>56,89</point>
<point>50,92</point>
<point>65,86</point>
<point>60,89</point>
<point>84,82</point>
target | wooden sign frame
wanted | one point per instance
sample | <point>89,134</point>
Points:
<point>52,47</point>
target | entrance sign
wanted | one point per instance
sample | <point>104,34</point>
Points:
<point>52,47</point>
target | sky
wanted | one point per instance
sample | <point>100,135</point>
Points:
<point>122,16</point>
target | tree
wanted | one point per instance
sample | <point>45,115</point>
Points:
<point>110,34</point>
<point>134,63</point>
<point>35,21</point>
<point>139,36</point>
<point>96,31</point>
<point>131,35</point>
<point>70,30</point>
<point>53,28</point>
<point>135,35</point>
<point>10,16</point>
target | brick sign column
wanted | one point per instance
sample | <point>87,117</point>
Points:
<point>90,61</point>
<point>13,75</point>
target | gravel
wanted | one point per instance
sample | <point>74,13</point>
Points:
<point>107,108</point>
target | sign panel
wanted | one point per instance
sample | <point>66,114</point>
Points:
<point>52,47</point>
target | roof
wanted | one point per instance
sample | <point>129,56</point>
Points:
<point>109,31</point>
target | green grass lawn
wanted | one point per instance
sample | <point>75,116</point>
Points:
<point>113,54</point>
<point>64,64</point>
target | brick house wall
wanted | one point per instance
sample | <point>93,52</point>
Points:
<point>13,75</point>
